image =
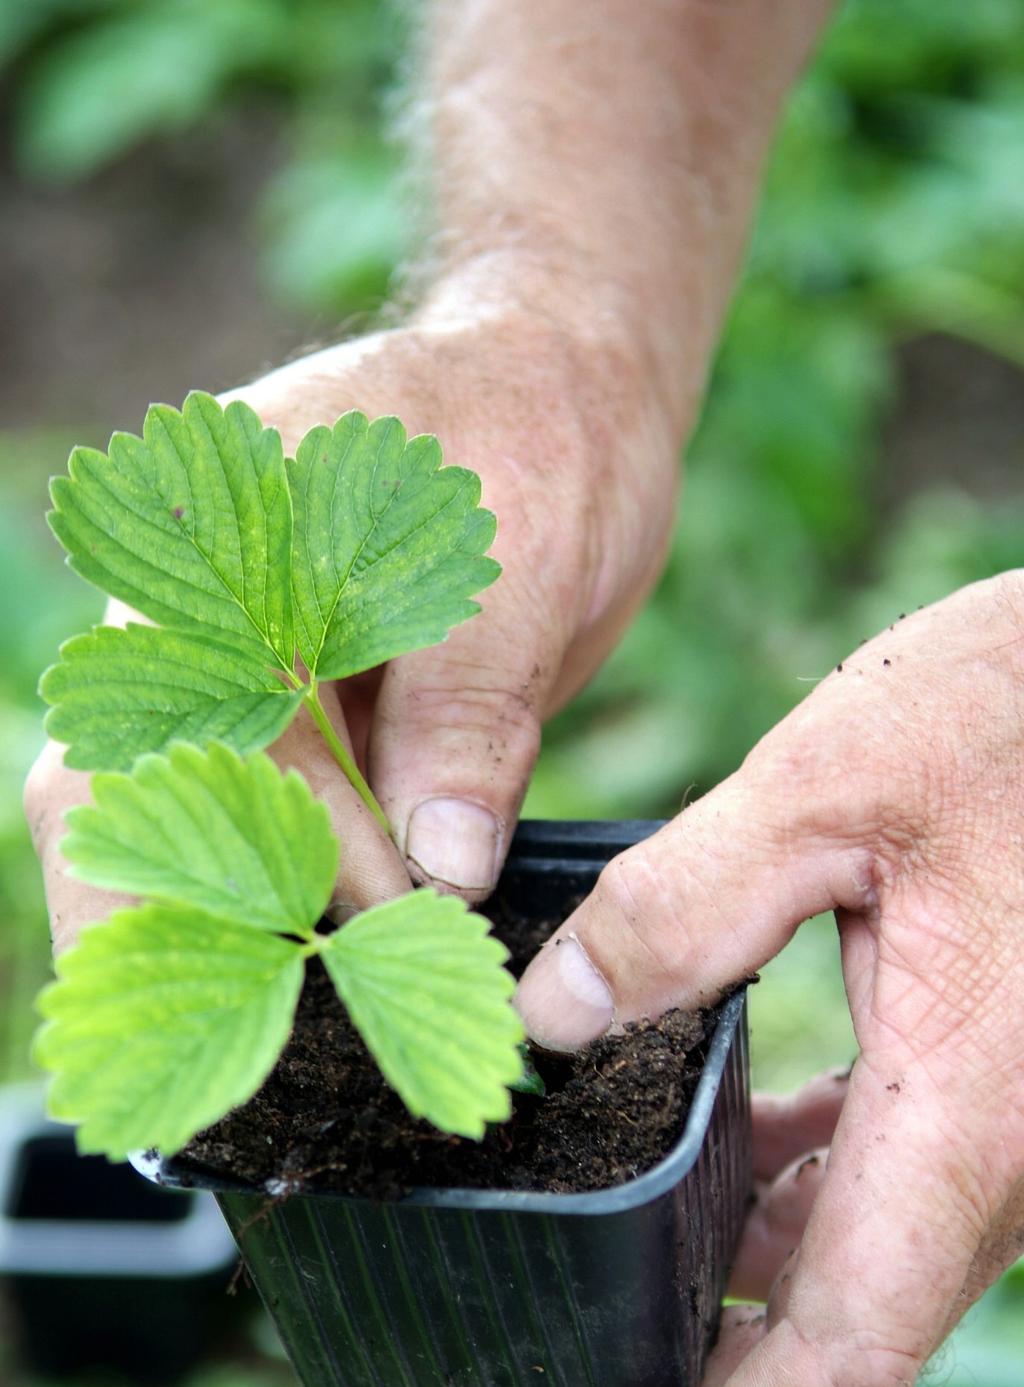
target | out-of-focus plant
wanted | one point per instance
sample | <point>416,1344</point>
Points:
<point>891,210</point>
<point>94,80</point>
<point>894,208</point>
<point>41,604</point>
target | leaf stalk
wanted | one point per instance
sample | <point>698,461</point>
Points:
<point>341,754</point>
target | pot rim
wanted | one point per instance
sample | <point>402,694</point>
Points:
<point>643,1189</point>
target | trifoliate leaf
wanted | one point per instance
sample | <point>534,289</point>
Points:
<point>119,693</point>
<point>161,1021</point>
<point>389,545</point>
<point>190,524</point>
<point>424,985</point>
<point>236,838</point>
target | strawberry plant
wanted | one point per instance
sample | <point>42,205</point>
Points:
<point>264,576</point>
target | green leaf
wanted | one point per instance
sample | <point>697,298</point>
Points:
<point>530,1081</point>
<point>191,524</point>
<point>389,545</point>
<point>424,985</point>
<point>117,694</point>
<point>236,838</point>
<point>162,1020</point>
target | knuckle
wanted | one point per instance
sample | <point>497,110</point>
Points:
<point>505,716</point>
<point>856,1357</point>
<point>634,890</point>
<point>845,776</point>
<point>876,1366</point>
<point>804,767</point>
<point>909,766</point>
<point>880,1364</point>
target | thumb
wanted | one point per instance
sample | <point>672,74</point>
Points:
<point>455,735</point>
<point>884,1268</point>
<point>676,920</point>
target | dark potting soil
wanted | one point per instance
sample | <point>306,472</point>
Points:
<point>325,1118</point>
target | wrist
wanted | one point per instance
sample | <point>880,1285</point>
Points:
<point>555,305</point>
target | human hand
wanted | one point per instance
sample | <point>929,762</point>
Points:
<point>580,467</point>
<point>894,795</point>
<point>591,203</point>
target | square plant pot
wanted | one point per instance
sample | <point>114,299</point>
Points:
<point>99,1270</point>
<point>495,1288</point>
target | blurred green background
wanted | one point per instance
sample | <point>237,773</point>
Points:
<point>194,189</point>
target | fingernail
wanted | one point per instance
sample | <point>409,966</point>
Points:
<point>451,842</point>
<point>563,999</point>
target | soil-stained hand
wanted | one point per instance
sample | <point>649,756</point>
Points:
<point>894,795</point>
<point>580,466</point>
<point>591,200</point>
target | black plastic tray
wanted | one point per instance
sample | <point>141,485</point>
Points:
<point>98,1270</point>
<point>480,1288</point>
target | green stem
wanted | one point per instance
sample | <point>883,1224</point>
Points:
<point>341,755</point>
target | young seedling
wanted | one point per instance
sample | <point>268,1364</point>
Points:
<point>266,576</point>
<point>169,1014</point>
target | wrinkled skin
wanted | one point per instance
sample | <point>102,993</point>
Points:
<point>894,795</point>
<point>592,199</point>
<point>582,532</point>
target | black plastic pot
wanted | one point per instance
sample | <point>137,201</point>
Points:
<point>478,1288</point>
<point>100,1270</point>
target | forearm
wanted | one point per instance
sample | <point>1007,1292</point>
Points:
<point>598,159</point>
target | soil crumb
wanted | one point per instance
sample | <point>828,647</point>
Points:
<point>325,1118</point>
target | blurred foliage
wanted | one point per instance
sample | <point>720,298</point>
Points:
<point>894,209</point>
<point>95,79</point>
<point>41,603</point>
